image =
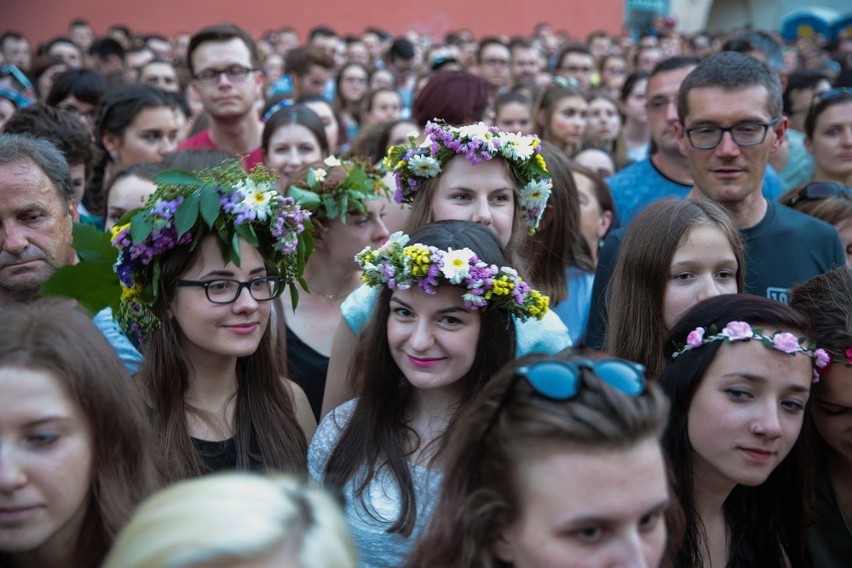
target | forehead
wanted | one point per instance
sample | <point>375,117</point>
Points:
<point>159,69</point>
<point>35,393</point>
<point>836,113</point>
<point>728,105</point>
<point>576,57</point>
<point>487,176</point>
<point>495,49</point>
<point>232,51</point>
<point>24,184</point>
<point>668,82</point>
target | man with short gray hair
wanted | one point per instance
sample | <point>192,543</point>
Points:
<point>37,209</point>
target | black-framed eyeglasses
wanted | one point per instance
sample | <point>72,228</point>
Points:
<point>821,190</point>
<point>226,290</point>
<point>234,73</point>
<point>745,134</point>
<point>561,380</point>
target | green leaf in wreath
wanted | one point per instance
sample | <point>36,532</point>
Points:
<point>187,213</point>
<point>210,207</point>
<point>178,177</point>
<point>304,197</point>
<point>140,227</point>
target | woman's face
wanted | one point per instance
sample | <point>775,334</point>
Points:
<point>514,117</point>
<point>831,144</point>
<point>747,412</point>
<point>208,330</point>
<point>353,83</point>
<point>385,108</point>
<point>125,195</point>
<point>292,147</point>
<point>482,194</point>
<point>342,241</point>
<point>703,266</point>
<point>568,121</point>
<point>610,514</point>
<point>594,221</point>
<point>46,462</point>
<point>45,81</point>
<point>147,138</point>
<point>614,72</point>
<point>831,409</point>
<point>634,107</point>
<point>399,134</point>
<point>604,122</point>
<point>432,338</point>
<point>329,121</point>
<point>382,79</point>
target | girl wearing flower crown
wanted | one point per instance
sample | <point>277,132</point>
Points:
<point>442,327</point>
<point>471,173</point>
<point>738,374</point>
<point>347,201</point>
<point>199,266</point>
<point>676,253</point>
<point>827,303</point>
<point>557,462</point>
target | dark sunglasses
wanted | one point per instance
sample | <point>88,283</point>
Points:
<point>561,380</point>
<point>821,190</point>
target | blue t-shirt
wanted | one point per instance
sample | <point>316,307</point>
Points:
<point>127,352</point>
<point>574,310</point>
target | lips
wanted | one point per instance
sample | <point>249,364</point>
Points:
<point>423,362</point>
<point>11,515</point>
<point>727,173</point>
<point>758,455</point>
<point>242,328</point>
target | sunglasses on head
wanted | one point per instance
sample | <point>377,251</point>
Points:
<point>10,70</point>
<point>821,190</point>
<point>832,94</point>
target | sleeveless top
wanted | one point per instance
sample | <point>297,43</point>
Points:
<point>222,455</point>
<point>308,369</point>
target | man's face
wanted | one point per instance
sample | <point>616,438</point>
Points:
<point>227,98</point>
<point>325,43</point>
<point>35,230</point>
<point>730,173</point>
<point>525,65</point>
<point>161,75</point>
<point>578,66</point>
<point>17,52</point>
<point>661,103</point>
<point>648,59</point>
<point>494,65</point>
<point>68,52</point>
<point>82,36</point>
<point>313,82</point>
<point>162,49</point>
<point>136,60</point>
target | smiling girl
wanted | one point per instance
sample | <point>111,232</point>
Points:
<point>441,329</point>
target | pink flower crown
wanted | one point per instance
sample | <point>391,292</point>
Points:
<point>783,341</point>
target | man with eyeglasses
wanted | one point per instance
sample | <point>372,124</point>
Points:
<point>494,60</point>
<point>224,63</point>
<point>729,123</point>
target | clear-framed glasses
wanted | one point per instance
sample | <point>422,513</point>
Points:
<point>821,190</point>
<point>226,290</point>
<point>745,134</point>
<point>234,73</point>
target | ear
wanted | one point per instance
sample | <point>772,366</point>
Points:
<point>503,549</point>
<point>74,211</point>
<point>780,132</point>
<point>111,142</point>
<point>604,224</point>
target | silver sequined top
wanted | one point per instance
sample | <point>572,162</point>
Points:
<point>370,516</point>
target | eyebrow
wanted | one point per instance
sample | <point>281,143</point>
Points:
<point>47,419</point>
<point>230,273</point>
<point>449,310</point>
<point>762,380</point>
<point>596,520</point>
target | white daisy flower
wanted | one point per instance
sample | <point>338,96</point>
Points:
<point>456,265</point>
<point>319,175</point>
<point>535,194</point>
<point>516,146</point>
<point>479,130</point>
<point>331,161</point>
<point>258,198</point>
<point>424,166</point>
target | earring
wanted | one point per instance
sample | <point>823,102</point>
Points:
<point>113,155</point>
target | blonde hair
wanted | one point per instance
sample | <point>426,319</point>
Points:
<point>235,516</point>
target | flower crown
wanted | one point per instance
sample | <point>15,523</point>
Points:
<point>224,201</point>
<point>400,267</point>
<point>783,341</point>
<point>338,187</point>
<point>414,164</point>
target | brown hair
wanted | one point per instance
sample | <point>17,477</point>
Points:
<point>56,338</point>
<point>546,105</point>
<point>480,496</point>
<point>264,409</point>
<point>456,97</point>
<point>833,210</point>
<point>559,243</point>
<point>221,33</point>
<point>636,327</point>
<point>827,303</point>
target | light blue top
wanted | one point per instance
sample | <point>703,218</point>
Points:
<point>370,516</point>
<point>548,335</point>
<point>127,352</point>
<point>574,310</point>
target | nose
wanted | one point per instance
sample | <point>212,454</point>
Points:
<point>14,240</point>
<point>421,338</point>
<point>166,145</point>
<point>482,212</point>
<point>381,233</point>
<point>671,110</point>
<point>12,475</point>
<point>708,288</point>
<point>727,146</point>
<point>630,552</point>
<point>767,423</point>
<point>245,302</point>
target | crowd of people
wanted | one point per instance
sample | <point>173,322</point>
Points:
<point>385,301</point>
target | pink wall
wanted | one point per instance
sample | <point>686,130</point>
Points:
<point>42,19</point>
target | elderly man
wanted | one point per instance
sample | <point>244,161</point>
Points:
<point>37,208</point>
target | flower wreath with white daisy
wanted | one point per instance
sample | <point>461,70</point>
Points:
<point>400,266</point>
<point>224,201</point>
<point>414,164</point>
<point>783,341</point>
<point>338,187</point>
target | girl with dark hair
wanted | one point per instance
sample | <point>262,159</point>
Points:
<point>472,173</point>
<point>637,132</point>
<point>351,88</point>
<point>292,138</point>
<point>738,374</point>
<point>334,133</point>
<point>560,116</point>
<point>513,113</point>
<point>78,91</point>
<point>381,105</point>
<point>199,267</point>
<point>557,462</point>
<point>676,253</point>
<point>127,190</point>
<point>374,141</point>
<point>443,325</point>
<point>827,303</point>
<point>77,450</point>
<point>134,124</point>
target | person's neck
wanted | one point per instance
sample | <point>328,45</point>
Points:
<point>636,134</point>
<point>239,136</point>
<point>822,175</point>
<point>331,279</point>
<point>709,494</point>
<point>432,410</point>
<point>212,382</point>
<point>746,213</point>
<point>673,166</point>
